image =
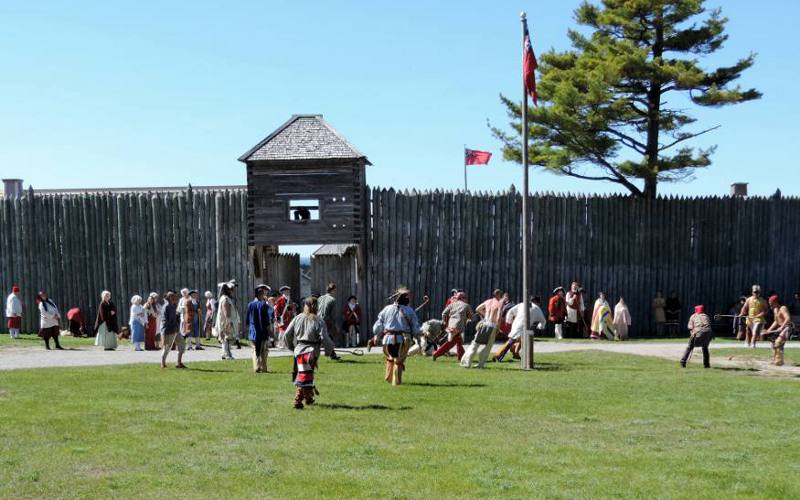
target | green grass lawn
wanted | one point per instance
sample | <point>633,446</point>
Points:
<point>33,340</point>
<point>586,424</point>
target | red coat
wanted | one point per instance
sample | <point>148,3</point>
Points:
<point>557,309</point>
<point>352,316</point>
<point>285,311</point>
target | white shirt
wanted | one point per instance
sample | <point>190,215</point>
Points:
<point>13,306</point>
<point>137,314</point>
<point>49,317</point>
<point>515,317</point>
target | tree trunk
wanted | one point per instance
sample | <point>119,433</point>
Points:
<point>654,115</point>
<point>650,187</point>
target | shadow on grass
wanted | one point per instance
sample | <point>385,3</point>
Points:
<point>442,384</point>
<point>349,361</point>
<point>212,370</point>
<point>339,406</point>
<point>539,367</point>
<point>736,369</point>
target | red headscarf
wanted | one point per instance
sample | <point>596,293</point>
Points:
<point>699,309</point>
<point>774,300</point>
<point>15,289</point>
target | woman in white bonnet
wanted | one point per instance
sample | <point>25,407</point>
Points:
<point>137,322</point>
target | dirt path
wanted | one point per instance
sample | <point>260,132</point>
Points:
<point>28,357</point>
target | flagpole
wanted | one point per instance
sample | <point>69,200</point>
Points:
<point>527,342</point>
<point>465,168</point>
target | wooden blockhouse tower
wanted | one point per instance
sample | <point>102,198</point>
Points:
<point>306,184</point>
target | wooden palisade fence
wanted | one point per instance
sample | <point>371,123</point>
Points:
<point>75,246</point>
<point>707,249</point>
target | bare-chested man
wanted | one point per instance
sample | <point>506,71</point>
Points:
<point>755,310</point>
<point>780,330</point>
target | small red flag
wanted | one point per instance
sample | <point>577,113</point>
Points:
<point>529,66</point>
<point>473,157</point>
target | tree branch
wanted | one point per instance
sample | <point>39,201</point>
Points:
<point>687,137</point>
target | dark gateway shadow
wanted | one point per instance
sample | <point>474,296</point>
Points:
<point>338,406</point>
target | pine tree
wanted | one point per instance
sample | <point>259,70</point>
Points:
<point>604,113</point>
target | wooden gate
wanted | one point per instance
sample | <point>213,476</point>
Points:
<point>338,264</point>
<point>277,269</point>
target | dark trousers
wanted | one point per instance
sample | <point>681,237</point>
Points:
<point>698,342</point>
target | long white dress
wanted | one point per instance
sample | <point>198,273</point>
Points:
<point>622,320</point>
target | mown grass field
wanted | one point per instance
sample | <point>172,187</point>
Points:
<point>586,424</point>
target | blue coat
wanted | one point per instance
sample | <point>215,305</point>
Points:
<point>259,319</point>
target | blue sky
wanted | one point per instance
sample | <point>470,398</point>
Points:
<point>168,93</point>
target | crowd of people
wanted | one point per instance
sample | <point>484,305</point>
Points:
<point>179,320</point>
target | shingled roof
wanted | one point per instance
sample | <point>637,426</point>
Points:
<point>303,137</point>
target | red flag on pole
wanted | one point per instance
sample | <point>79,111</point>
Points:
<point>473,157</point>
<point>529,66</point>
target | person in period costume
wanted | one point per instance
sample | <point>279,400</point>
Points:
<point>455,317</point>
<point>210,309</point>
<point>161,308</point>
<point>781,329</point>
<point>152,310</point>
<point>137,322</point>
<point>503,328</point>
<point>672,313</point>
<point>285,311</point>
<point>14,312</point>
<point>622,320</point>
<point>659,314</point>
<point>490,311</point>
<point>557,311</point>
<point>755,310</point>
<point>49,320</point>
<point>106,324</point>
<point>575,310</point>
<point>259,327</point>
<point>701,335</point>
<point>327,312</point>
<point>602,321</point>
<point>739,322</point>
<point>452,297</point>
<point>431,333</point>
<point>228,322</point>
<point>794,308</point>
<point>197,314</point>
<point>351,322</point>
<point>306,335</point>
<point>186,313</point>
<point>515,317</point>
<point>76,323</point>
<point>395,328</point>
<point>171,330</point>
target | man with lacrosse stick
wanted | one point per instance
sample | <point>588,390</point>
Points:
<point>701,335</point>
<point>780,330</point>
<point>755,310</point>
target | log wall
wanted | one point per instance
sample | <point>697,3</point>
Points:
<point>710,250</point>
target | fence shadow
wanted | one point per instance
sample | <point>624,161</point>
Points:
<point>341,406</point>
